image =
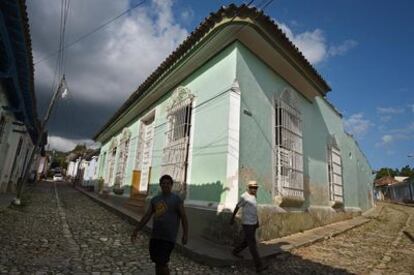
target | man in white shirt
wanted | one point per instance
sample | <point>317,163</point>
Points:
<point>250,223</point>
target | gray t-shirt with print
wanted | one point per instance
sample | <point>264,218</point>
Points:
<point>166,219</point>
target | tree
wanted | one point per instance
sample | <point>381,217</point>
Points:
<point>406,171</point>
<point>386,171</point>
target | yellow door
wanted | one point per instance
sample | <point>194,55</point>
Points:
<point>136,179</point>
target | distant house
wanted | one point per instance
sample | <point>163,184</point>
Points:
<point>90,173</point>
<point>18,115</point>
<point>237,101</point>
<point>395,188</point>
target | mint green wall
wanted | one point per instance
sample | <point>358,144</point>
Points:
<point>134,128</point>
<point>207,175</point>
<point>259,86</point>
<point>357,173</point>
<point>335,125</point>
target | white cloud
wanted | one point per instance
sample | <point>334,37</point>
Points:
<point>187,15</point>
<point>412,107</point>
<point>357,125</point>
<point>387,139</point>
<point>398,134</point>
<point>64,144</point>
<point>107,66</point>
<point>314,46</point>
<point>385,118</point>
<point>405,131</point>
<point>103,69</point>
<point>390,110</point>
<point>343,48</point>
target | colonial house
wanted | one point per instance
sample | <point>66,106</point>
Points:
<point>82,167</point>
<point>18,115</point>
<point>237,101</point>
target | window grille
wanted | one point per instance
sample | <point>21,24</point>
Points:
<point>111,161</point>
<point>102,164</point>
<point>175,153</point>
<point>140,146</point>
<point>123,157</point>
<point>288,153</point>
<point>335,172</point>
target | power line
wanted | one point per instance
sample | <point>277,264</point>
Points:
<point>59,67</point>
<point>90,33</point>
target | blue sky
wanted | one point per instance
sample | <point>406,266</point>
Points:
<point>363,49</point>
<point>368,62</point>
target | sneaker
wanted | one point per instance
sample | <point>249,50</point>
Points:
<point>261,268</point>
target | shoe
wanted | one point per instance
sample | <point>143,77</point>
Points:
<point>261,268</point>
<point>237,255</point>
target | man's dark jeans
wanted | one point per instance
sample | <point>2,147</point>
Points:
<point>250,241</point>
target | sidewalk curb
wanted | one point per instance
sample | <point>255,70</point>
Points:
<point>206,252</point>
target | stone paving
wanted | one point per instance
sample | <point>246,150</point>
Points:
<point>61,231</point>
<point>378,247</point>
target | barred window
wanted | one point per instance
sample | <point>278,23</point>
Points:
<point>143,158</point>
<point>288,152</point>
<point>335,172</point>
<point>102,164</point>
<point>175,153</point>
<point>123,156</point>
<point>111,161</point>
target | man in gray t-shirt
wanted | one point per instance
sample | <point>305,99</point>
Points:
<point>167,209</point>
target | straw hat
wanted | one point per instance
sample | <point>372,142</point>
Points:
<point>252,183</point>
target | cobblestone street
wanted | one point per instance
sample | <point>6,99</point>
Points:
<point>61,231</point>
<point>380,246</point>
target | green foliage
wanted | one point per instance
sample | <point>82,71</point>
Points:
<point>405,171</point>
<point>80,148</point>
<point>57,159</point>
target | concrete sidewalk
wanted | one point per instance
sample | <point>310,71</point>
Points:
<point>209,253</point>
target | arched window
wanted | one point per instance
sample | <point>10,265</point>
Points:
<point>175,153</point>
<point>111,160</point>
<point>288,146</point>
<point>123,156</point>
<point>143,157</point>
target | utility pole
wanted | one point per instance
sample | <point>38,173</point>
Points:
<point>61,90</point>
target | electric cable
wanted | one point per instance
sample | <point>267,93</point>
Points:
<point>90,33</point>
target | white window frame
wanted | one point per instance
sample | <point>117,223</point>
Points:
<point>123,156</point>
<point>146,121</point>
<point>335,178</point>
<point>176,150</point>
<point>287,147</point>
<point>112,153</point>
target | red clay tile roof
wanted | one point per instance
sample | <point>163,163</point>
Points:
<point>387,180</point>
<point>195,36</point>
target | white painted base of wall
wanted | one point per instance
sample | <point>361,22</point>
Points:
<point>352,209</point>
